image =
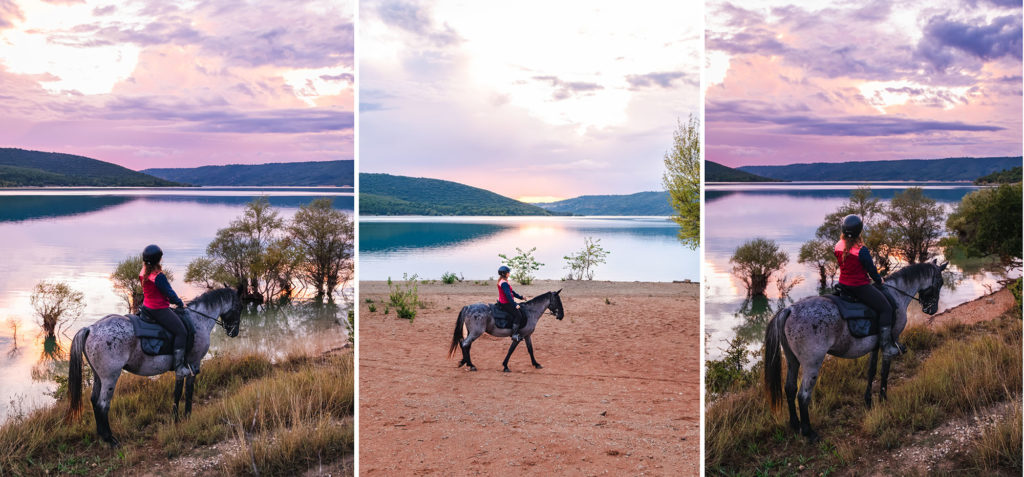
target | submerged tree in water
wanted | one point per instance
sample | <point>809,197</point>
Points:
<point>55,303</point>
<point>917,221</point>
<point>323,240</point>
<point>819,254</point>
<point>755,261</point>
<point>682,180</point>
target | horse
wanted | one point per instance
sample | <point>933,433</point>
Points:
<point>110,345</point>
<point>812,327</point>
<point>478,320</point>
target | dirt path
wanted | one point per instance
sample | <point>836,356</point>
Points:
<point>618,395</point>
<point>982,308</point>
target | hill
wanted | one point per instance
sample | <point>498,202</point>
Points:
<point>949,169</point>
<point>313,173</point>
<point>1005,176</point>
<point>385,194</point>
<point>715,172</point>
<point>641,203</point>
<point>24,168</point>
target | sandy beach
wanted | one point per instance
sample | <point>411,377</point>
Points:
<point>619,392</point>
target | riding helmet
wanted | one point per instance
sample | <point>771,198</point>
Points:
<point>852,226</point>
<point>503,269</point>
<point>152,254</point>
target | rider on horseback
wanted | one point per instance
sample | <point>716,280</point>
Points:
<point>157,299</point>
<point>855,268</point>
<point>508,304</point>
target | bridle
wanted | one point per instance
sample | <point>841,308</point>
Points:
<point>216,320</point>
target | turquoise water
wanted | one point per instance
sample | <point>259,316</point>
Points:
<point>790,213</point>
<point>78,235</point>
<point>641,248</point>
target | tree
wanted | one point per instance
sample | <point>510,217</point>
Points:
<point>55,303</point>
<point>682,180</point>
<point>755,261</point>
<point>878,235</point>
<point>988,222</point>
<point>127,284</point>
<point>582,264</point>
<point>819,254</point>
<point>523,265</point>
<point>917,219</point>
<point>208,273</point>
<point>323,238</point>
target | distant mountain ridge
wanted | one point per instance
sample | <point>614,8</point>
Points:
<point>26,168</point>
<point>386,194</point>
<point>948,169</point>
<point>715,172</point>
<point>310,173</point>
<point>640,203</point>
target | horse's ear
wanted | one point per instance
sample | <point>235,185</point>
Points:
<point>943,266</point>
<point>559,291</point>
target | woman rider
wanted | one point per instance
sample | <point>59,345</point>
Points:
<point>508,303</point>
<point>855,268</point>
<point>157,299</point>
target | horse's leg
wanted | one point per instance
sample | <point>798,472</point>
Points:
<point>465,345</point>
<point>529,347</point>
<point>872,367</point>
<point>101,405</point>
<point>804,397</point>
<point>178,381</point>
<point>792,372</point>
<point>883,385</point>
<point>190,384</point>
<point>511,348</point>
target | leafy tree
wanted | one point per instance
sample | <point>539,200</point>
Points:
<point>755,261</point>
<point>127,284</point>
<point>917,219</point>
<point>582,264</point>
<point>819,254</point>
<point>55,303</point>
<point>522,264</point>
<point>988,222</point>
<point>878,236</point>
<point>323,240</point>
<point>682,180</point>
<point>208,273</point>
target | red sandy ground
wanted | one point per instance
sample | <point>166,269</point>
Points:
<point>618,395</point>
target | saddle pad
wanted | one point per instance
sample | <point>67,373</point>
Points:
<point>501,318</point>
<point>155,339</point>
<point>860,318</point>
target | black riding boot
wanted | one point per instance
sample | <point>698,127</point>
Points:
<point>515,331</point>
<point>179,361</point>
<point>890,348</point>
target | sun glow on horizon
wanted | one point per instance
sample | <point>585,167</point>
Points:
<point>539,199</point>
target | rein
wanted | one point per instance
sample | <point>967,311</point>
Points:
<point>216,320</point>
<point>912,297</point>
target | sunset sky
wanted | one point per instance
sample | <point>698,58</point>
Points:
<point>534,100</point>
<point>158,83</point>
<point>841,81</point>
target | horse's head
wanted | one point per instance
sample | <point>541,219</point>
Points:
<point>232,318</point>
<point>929,295</point>
<point>555,305</point>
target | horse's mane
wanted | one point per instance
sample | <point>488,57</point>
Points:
<point>915,272</point>
<point>214,296</point>
<point>538,297</point>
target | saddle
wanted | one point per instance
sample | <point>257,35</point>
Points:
<point>501,318</point>
<point>155,339</point>
<point>861,319</point>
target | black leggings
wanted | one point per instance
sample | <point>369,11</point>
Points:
<point>873,297</point>
<point>169,319</point>
<point>516,313</point>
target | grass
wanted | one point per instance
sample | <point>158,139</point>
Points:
<point>951,372</point>
<point>294,415</point>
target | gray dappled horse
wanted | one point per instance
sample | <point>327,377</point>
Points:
<point>479,320</point>
<point>110,345</point>
<point>811,328</point>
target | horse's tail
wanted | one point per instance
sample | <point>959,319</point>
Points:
<point>457,336</point>
<point>75,375</point>
<point>773,358</point>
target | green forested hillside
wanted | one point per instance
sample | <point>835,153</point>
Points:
<point>715,172</point>
<point>385,194</point>
<point>641,203</point>
<point>312,173</point>
<point>1005,176</point>
<point>24,168</point>
<point>949,169</point>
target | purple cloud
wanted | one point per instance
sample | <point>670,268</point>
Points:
<point>663,79</point>
<point>943,36</point>
<point>414,19</point>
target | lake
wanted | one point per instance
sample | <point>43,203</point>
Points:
<point>78,235</point>
<point>789,213</point>
<point>641,248</point>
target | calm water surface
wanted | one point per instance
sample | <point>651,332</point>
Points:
<point>77,235</point>
<point>641,248</point>
<point>790,213</point>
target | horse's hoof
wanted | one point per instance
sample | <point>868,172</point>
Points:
<point>538,366</point>
<point>506,370</point>
<point>812,437</point>
<point>794,425</point>
<point>114,443</point>
<point>472,368</point>
<point>461,363</point>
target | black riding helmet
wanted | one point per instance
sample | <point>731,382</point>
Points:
<point>152,255</point>
<point>503,269</point>
<point>852,226</point>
